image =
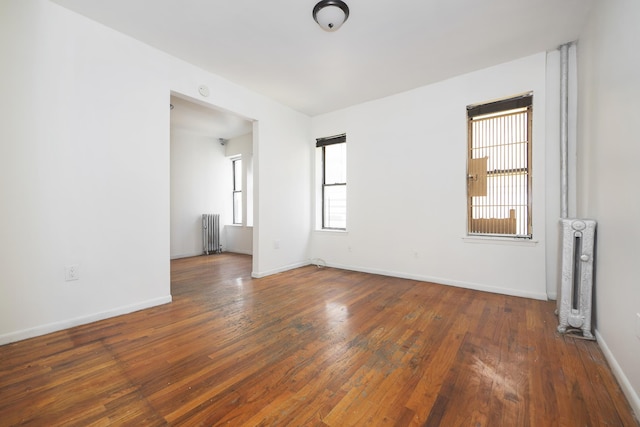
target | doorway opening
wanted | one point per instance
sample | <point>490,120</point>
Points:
<point>206,145</point>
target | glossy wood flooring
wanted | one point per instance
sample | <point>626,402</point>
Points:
<point>316,347</point>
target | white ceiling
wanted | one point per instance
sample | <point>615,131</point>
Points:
<point>274,47</point>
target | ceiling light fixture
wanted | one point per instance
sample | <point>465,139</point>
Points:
<point>330,14</point>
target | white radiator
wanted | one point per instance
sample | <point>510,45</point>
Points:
<point>575,294</point>
<point>211,233</point>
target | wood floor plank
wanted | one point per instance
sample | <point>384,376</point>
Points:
<point>312,346</point>
<point>608,394</point>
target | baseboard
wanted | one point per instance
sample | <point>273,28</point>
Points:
<point>448,282</point>
<point>233,251</point>
<point>239,251</point>
<point>261,274</point>
<point>70,323</point>
<point>189,255</point>
<point>438,280</point>
<point>625,385</point>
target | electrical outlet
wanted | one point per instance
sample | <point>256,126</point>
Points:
<point>72,272</point>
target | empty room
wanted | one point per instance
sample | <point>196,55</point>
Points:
<point>331,213</point>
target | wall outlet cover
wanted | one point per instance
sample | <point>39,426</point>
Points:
<point>72,272</point>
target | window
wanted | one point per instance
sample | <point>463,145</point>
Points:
<point>237,190</point>
<point>499,168</point>
<point>334,181</point>
<point>248,189</point>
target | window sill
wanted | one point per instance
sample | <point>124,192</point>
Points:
<point>330,230</point>
<point>509,241</point>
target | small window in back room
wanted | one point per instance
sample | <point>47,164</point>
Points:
<point>334,181</point>
<point>237,190</point>
<point>499,168</point>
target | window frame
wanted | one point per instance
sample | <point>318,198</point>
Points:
<point>236,216</point>
<point>501,109</point>
<point>323,143</point>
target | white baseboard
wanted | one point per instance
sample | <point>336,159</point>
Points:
<point>439,280</point>
<point>240,251</point>
<point>448,282</point>
<point>189,255</point>
<point>69,323</point>
<point>261,274</point>
<point>233,251</point>
<point>625,385</point>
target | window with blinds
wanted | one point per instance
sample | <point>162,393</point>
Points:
<point>237,190</point>
<point>334,181</point>
<point>499,168</point>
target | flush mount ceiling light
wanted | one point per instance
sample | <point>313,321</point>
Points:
<point>330,14</point>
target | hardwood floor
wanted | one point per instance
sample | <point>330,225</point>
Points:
<point>317,347</point>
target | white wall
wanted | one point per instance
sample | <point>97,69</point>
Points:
<point>201,182</point>
<point>84,170</point>
<point>283,213</point>
<point>85,173</point>
<point>406,179</point>
<point>608,168</point>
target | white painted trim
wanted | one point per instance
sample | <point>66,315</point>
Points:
<point>261,274</point>
<point>625,385</point>
<point>243,252</point>
<point>436,280</point>
<point>513,241</point>
<point>188,255</point>
<point>247,252</point>
<point>70,323</point>
<point>447,282</point>
<point>331,230</point>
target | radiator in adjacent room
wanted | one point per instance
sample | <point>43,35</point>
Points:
<point>575,293</point>
<point>211,233</point>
